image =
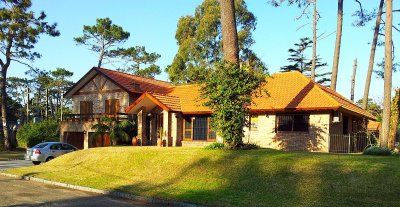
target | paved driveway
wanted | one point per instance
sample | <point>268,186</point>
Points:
<point>14,164</point>
<point>16,192</point>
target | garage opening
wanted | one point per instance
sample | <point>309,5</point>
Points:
<point>75,139</point>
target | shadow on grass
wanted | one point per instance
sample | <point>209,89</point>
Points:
<point>255,178</point>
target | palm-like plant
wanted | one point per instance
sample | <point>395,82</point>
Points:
<point>115,130</point>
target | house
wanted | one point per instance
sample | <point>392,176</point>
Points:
<point>102,92</point>
<point>297,113</point>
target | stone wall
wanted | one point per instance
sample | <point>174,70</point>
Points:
<point>263,134</point>
<point>96,91</point>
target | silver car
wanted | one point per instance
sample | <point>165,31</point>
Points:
<point>47,151</point>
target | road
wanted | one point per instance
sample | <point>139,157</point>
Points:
<point>16,192</point>
<point>14,164</point>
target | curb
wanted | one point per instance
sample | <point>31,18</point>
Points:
<point>105,192</point>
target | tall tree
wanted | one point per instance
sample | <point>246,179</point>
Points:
<point>61,83</point>
<point>20,30</point>
<point>138,57</point>
<point>314,51</point>
<point>372,55</point>
<point>229,33</point>
<point>335,65</point>
<point>388,75</point>
<point>199,39</point>
<point>303,64</point>
<point>100,38</point>
<point>394,121</point>
<point>353,80</point>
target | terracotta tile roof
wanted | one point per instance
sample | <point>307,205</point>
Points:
<point>288,91</point>
<point>172,102</point>
<point>144,84</point>
<point>373,126</point>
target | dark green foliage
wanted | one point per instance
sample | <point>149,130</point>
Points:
<point>248,146</point>
<point>31,133</point>
<point>379,151</point>
<point>138,56</point>
<point>229,90</point>
<point>302,64</point>
<point>114,129</point>
<point>373,108</point>
<point>100,38</point>
<point>215,146</point>
<point>199,38</point>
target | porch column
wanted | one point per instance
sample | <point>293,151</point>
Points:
<point>176,129</point>
<point>167,128</point>
<point>153,130</point>
<point>141,117</point>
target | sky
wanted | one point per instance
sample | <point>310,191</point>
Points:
<point>153,23</point>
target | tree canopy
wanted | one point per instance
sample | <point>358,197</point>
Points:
<point>100,38</point>
<point>199,38</point>
<point>301,63</point>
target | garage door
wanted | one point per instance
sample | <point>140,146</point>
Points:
<point>74,139</point>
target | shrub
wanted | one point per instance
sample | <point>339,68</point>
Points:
<point>31,133</point>
<point>215,146</point>
<point>379,151</point>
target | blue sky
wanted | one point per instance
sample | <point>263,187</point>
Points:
<point>152,23</point>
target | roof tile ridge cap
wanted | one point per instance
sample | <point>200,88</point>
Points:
<point>317,86</point>
<point>138,76</point>
<point>162,94</point>
<point>341,97</point>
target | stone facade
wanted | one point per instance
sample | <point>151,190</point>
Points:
<point>98,91</point>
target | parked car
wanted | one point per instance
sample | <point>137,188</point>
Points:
<point>47,151</point>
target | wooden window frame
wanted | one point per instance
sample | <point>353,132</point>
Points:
<point>209,130</point>
<point>107,107</point>
<point>293,123</point>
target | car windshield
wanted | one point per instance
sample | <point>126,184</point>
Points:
<point>41,145</point>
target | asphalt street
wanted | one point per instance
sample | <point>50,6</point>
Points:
<point>14,163</point>
<point>17,192</point>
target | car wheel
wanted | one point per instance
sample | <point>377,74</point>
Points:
<point>36,162</point>
<point>49,158</point>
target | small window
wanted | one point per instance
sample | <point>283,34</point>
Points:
<point>293,122</point>
<point>211,133</point>
<point>112,106</point>
<point>55,147</point>
<point>188,128</point>
<point>254,123</point>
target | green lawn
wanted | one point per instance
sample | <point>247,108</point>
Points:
<point>231,178</point>
<point>7,155</point>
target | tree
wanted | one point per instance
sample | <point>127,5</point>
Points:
<point>199,39</point>
<point>20,30</point>
<point>61,83</point>
<point>372,54</point>
<point>115,130</point>
<point>102,37</point>
<point>372,107</point>
<point>314,53</point>
<point>302,64</point>
<point>138,56</point>
<point>229,33</point>
<point>394,121</point>
<point>335,65</point>
<point>388,75</point>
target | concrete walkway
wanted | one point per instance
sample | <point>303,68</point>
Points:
<point>17,192</point>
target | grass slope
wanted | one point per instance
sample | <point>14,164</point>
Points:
<point>231,178</point>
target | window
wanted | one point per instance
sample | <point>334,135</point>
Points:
<point>55,147</point>
<point>86,107</point>
<point>198,128</point>
<point>112,106</point>
<point>293,122</point>
<point>254,123</point>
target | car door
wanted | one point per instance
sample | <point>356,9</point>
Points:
<point>56,150</point>
<point>67,148</point>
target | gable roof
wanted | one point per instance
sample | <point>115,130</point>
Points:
<point>128,82</point>
<point>288,91</point>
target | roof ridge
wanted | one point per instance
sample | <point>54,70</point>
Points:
<point>97,68</point>
<point>340,96</point>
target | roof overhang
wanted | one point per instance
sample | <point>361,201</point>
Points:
<point>145,102</point>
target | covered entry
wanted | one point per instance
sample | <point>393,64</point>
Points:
<point>75,139</point>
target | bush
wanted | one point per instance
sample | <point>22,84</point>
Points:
<point>31,133</point>
<point>248,146</point>
<point>379,151</point>
<point>215,146</point>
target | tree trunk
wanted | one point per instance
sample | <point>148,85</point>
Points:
<point>229,33</point>
<point>353,80</point>
<point>46,112</point>
<point>3,92</point>
<point>388,75</point>
<point>27,105</point>
<point>394,121</point>
<point>314,52</point>
<point>335,66</point>
<point>372,56</point>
